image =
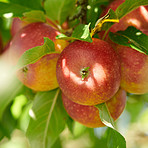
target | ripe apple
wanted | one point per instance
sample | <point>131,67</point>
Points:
<point>133,63</point>
<point>89,115</point>
<point>137,18</point>
<point>88,73</point>
<point>31,36</point>
<point>16,25</point>
<point>40,76</point>
<point>134,66</point>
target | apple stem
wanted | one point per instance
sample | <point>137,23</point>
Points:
<point>84,73</point>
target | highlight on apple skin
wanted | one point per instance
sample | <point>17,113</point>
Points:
<point>88,73</point>
<point>89,115</point>
<point>40,76</point>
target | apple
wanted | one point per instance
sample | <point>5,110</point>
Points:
<point>31,36</point>
<point>133,63</point>
<point>137,18</point>
<point>88,73</point>
<point>40,76</point>
<point>134,74</point>
<point>89,115</point>
<point>16,25</point>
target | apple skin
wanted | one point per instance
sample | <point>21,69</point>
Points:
<point>16,25</point>
<point>89,115</point>
<point>134,65</point>
<point>31,36</point>
<point>40,76</point>
<point>103,78</point>
<point>137,18</point>
<point>134,70</point>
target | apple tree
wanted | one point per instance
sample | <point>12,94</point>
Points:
<point>73,73</point>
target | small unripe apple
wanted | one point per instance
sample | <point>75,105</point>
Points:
<point>40,76</point>
<point>88,73</point>
<point>89,115</point>
<point>134,70</point>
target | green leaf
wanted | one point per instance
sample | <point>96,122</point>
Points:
<point>34,54</point>
<point>128,6</point>
<point>107,25</point>
<point>59,10</point>
<point>105,115</point>
<point>94,10</point>
<point>7,123</point>
<point>34,16</point>
<point>131,37</point>
<point>81,32</point>
<point>70,124</point>
<point>115,139</point>
<point>57,144</point>
<point>15,9</point>
<point>48,119</point>
<point>35,5</point>
<point>12,89</point>
<point>18,7</point>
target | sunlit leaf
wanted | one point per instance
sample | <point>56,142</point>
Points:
<point>131,37</point>
<point>115,139</point>
<point>48,119</point>
<point>81,32</point>
<point>105,115</point>
<point>34,54</point>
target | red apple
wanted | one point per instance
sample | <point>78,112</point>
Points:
<point>134,73</point>
<point>89,115</point>
<point>40,76</point>
<point>137,18</point>
<point>16,25</point>
<point>31,36</point>
<point>89,73</point>
<point>134,65</point>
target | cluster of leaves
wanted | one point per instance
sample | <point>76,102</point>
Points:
<point>41,114</point>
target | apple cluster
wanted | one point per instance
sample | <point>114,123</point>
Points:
<point>94,73</point>
<point>88,74</point>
